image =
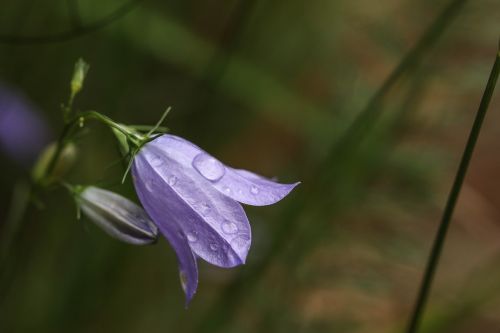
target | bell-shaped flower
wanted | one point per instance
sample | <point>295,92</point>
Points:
<point>117,216</point>
<point>194,200</point>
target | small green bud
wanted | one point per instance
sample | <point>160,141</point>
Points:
<point>62,165</point>
<point>79,73</point>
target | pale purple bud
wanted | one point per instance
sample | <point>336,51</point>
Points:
<point>117,216</point>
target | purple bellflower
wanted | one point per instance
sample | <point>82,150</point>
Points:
<point>194,200</point>
<point>23,133</point>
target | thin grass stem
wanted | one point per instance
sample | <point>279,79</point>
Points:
<point>439,240</point>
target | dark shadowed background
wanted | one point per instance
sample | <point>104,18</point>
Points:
<point>294,89</point>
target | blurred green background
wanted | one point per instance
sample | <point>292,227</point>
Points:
<point>295,89</point>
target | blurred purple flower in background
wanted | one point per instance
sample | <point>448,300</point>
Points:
<point>195,201</point>
<point>23,132</point>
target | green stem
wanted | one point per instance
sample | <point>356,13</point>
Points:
<point>67,132</point>
<point>133,136</point>
<point>71,128</point>
<point>437,247</point>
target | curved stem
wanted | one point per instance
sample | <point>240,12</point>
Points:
<point>437,246</point>
<point>136,138</point>
<point>71,128</point>
<point>63,140</point>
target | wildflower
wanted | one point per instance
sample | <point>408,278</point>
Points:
<point>194,200</point>
<point>116,215</point>
<point>23,133</point>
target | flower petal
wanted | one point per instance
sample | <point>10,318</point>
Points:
<point>188,268</point>
<point>251,189</point>
<point>240,185</point>
<point>216,227</point>
<point>117,216</point>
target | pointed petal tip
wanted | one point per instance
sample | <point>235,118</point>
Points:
<point>189,298</point>
<point>241,246</point>
<point>291,187</point>
<point>279,195</point>
<point>251,189</point>
<point>189,288</point>
<point>240,259</point>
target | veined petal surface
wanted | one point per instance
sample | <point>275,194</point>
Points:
<point>241,185</point>
<point>167,223</point>
<point>215,226</point>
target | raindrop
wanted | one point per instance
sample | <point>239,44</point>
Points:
<point>172,180</point>
<point>241,242</point>
<point>209,167</point>
<point>192,236</point>
<point>229,227</point>
<point>149,185</point>
<point>254,189</point>
<point>156,161</point>
<point>226,189</point>
<point>214,246</point>
<point>205,208</point>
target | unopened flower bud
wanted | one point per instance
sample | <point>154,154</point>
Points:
<point>81,68</point>
<point>65,161</point>
<point>117,216</point>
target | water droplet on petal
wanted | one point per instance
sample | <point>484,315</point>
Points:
<point>241,242</point>
<point>192,236</point>
<point>214,246</point>
<point>205,208</point>
<point>254,189</point>
<point>172,180</point>
<point>209,167</point>
<point>149,185</point>
<point>226,190</point>
<point>229,227</point>
<point>156,161</point>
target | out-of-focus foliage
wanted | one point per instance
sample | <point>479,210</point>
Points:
<point>271,86</point>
